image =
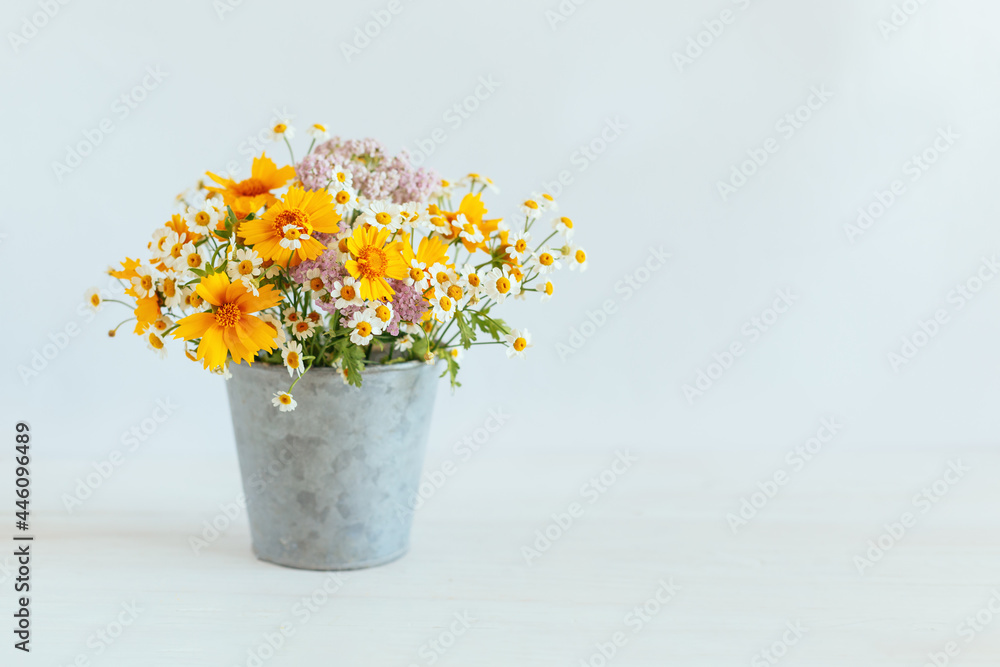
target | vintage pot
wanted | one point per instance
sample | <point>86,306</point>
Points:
<point>331,485</point>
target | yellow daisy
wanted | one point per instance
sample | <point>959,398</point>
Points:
<point>286,228</point>
<point>372,262</point>
<point>250,194</point>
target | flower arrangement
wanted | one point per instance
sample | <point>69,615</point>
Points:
<point>348,258</point>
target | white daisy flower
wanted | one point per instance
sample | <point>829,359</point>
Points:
<point>470,232</point>
<point>161,324</point>
<point>498,285</point>
<point>159,246</point>
<point>314,280</point>
<point>441,274</point>
<point>342,179</point>
<point>381,214</point>
<point>410,328</point>
<point>546,260</point>
<point>519,246</point>
<point>564,226</point>
<point>404,343</point>
<point>546,291</point>
<point>291,354</point>
<point>292,237</point>
<point>577,259</point>
<point>363,327</point>
<point>191,257</point>
<point>290,315</point>
<point>245,263</point>
<point>380,313</point>
<point>344,199</point>
<point>417,275</point>
<point>155,343</point>
<point>283,401</point>
<point>547,202</point>
<point>444,308</point>
<point>318,132</point>
<point>517,342</point>
<point>456,353</point>
<point>283,128</point>
<point>93,297</point>
<point>203,219</point>
<point>143,283</point>
<point>346,291</point>
<point>456,291</point>
<point>530,209</point>
<point>471,281</point>
<point>303,329</point>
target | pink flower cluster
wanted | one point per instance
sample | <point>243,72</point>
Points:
<point>376,174</point>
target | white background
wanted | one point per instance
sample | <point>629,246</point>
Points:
<point>655,185</point>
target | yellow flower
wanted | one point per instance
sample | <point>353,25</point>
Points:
<point>248,195</point>
<point>286,228</point>
<point>430,251</point>
<point>230,328</point>
<point>372,262</point>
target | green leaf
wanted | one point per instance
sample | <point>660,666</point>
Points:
<point>491,326</point>
<point>465,330</point>
<point>451,370</point>
<point>353,359</point>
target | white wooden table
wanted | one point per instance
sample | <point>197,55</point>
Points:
<point>465,594</point>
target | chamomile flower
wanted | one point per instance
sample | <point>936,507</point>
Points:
<point>161,324</point>
<point>191,257</point>
<point>292,237</point>
<point>498,285</point>
<point>314,280</point>
<point>290,315</point>
<point>223,371</point>
<point>158,246</point>
<point>382,215</point>
<point>518,248</point>
<point>346,291</point>
<point>273,322</point>
<point>283,401</point>
<point>282,129</point>
<point>192,299</point>
<point>404,343</point>
<point>564,226</point>
<point>546,291</point>
<point>143,283</point>
<point>318,132</point>
<point>364,328</point>
<point>456,353</point>
<point>94,300</point>
<point>441,274</point>
<point>303,329</point>
<point>272,270</point>
<point>444,308</point>
<point>548,202</point>
<point>381,312</point>
<point>344,198</point>
<point>578,259</point>
<point>456,292</point>
<point>546,260</point>
<point>410,328</point>
<point>417,276</point>
<point>291,354</point>
<point>341,179</point>
<point>203,219</point>
<point>472,280</point>
<point>517,342</point>
<point>245,263</point>
<point>470,233</point>
<point>155,343</point>
<point>530,209</point>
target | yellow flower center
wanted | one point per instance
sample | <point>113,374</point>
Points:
<point>302,326</point>
<point>545,259</point>
<point>292,317</point>
<point>321,128</point>
<point>342,177</point>
<point>473,279</point>
<point>567,222</point>
<point>383,218</point>
<point>520,344</point>
<point>382,312</point>
<point>95,300</point>
<point>316,284</point>
<point>516,272</point>
<point>531,204</point>
<point>445,183</point>
<point>169,288</point>
<point>445,303</point>
<point>417,274</point>
<point>202,218</point>
<point>549,288</point>
<point>347,292</point>
<point>441,277</point>
<point>155,341</point>
<point>285,399</point>
<point>245,267</point>
<point>250,187</point>
<point>364,328</point>
<point>291,216</point>
<point>293,233</point>
<point>455,292</point>
<point>372,262</point>
<point>580,256</point>
<point>314,317</point>
<point>280,128</point>
<point>227,315</point>
<point>160,325</point>
<point>146,282</point>
<point>194,300</point>
<point>343,197</point>
<point>547,196</point>
<point>175,250</point>
<point>503,285</point>
<point>194,260</point>
<point>521,245</point>
<point>292,359</point>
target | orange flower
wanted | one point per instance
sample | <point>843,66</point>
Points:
<point>374,261</point>
<point>230,328</point>
<point>247,196</point>
<point>285,231</point>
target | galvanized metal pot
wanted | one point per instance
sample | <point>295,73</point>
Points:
<point>330,485</point>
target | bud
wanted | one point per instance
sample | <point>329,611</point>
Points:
<point>111,333</point>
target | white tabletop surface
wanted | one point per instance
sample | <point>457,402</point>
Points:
<point>661,523</point>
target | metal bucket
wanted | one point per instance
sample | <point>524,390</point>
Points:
<point>331,485</point>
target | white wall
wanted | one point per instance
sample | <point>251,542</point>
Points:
<point>655,185</point>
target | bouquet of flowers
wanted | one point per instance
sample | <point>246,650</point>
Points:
<point>349,258</point>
